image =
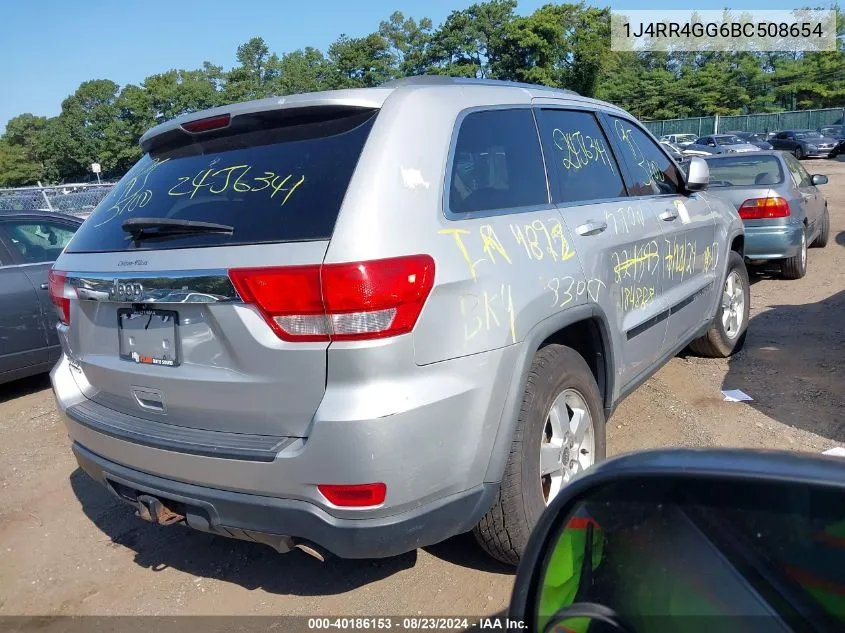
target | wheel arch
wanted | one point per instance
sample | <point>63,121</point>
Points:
<point>562,328</point>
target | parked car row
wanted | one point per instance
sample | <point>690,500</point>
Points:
<point>826,143</point>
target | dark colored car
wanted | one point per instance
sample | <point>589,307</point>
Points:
<point>754,139</point>
<point>804,143</point>
<point>30,241</point>
<point>836,132</point>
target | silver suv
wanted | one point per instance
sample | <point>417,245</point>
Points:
<point>360,322</point>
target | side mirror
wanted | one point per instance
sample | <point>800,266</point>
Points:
<point>698,174</point>
<point>690,540</point>
<point>819,179</point>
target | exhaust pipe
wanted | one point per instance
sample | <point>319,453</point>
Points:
<point>312,549</point>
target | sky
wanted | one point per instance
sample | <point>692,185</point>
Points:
<point>49,47</point>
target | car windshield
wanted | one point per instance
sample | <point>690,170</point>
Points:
<point>835,131</point>
<point>728,139</point>
<point>807,134</point>
<point>685,138</point>
<point>742,171</point>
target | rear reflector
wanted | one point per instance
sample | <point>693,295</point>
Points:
<point>355,495</point>
<point>339,302</point>
<point>764,208</point>
<point>58,295</point>
<point>208,123</point>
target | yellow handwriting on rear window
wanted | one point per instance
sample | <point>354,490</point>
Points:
<point>237,178</point>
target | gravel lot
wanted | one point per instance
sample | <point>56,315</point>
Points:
<point>67,548</point>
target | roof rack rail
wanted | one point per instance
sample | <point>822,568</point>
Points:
<point>444,80</point>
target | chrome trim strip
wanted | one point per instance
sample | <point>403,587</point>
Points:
<point>185,286</point>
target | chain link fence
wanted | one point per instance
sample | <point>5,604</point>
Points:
<point>702,126</point>
<point>75,198</point>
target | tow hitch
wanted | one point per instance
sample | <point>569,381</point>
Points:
<point>153,510</point>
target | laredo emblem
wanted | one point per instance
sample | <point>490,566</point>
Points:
<point>126,291</point>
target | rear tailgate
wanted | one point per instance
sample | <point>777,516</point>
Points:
<point>156,326</point>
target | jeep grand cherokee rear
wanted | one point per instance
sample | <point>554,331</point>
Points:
<point>218,370</point>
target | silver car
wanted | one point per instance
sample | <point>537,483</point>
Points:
<point>719,144</point>
<point>413,309</point>
<point>780,204</point>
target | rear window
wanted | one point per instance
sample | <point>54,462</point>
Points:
<point>272,179</point>
<point>743,170</point>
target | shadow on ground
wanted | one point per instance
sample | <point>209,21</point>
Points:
<point>249,565</point>
<point>793,365</point>
<point>840,238</point>
<point>464,550</point>
<point>24,387</point>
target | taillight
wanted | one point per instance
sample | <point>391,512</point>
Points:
<point>339,302</point>
<point>208,123</point>
<point>764,208</point>
<point>354,495</point>
<point>58,294</point>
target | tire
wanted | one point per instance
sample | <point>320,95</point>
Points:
<point>796,267</point>
<point>798,152</point>
<point>556,372</point>
<point>724,338</point>
<point>824,235</point>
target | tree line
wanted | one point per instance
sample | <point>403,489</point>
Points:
<point>562,45</point>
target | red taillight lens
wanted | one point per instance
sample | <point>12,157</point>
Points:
<point>56,281</point>
<point>208,123</point>
<point>289,298</point>
<point>764,208</point>
<point>355,495</point>
<point>339,302</point>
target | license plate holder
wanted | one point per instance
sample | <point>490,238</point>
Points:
<point>149,336</point>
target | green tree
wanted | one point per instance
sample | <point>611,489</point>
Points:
<point>563,46</point>
<point>409,41</point>
<point>470,43</point>
<point>254,75</point>
<point>302,71</point>
<point>22,151</point>
<point>361,62</point>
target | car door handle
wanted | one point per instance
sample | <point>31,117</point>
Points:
<point>668,215</point>
<point>591,228</point>
<point>45,286</point>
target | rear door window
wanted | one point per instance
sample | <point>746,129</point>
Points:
<point>799,175</point>
<point>579,157</point>
<point>650,169</point>
<point>497,163</point>
<point>36,242</point>
<point>273,177</point>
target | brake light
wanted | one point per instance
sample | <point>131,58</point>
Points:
<point>208,123</point>
<point>764,208</point>
<point>354,495</point>
<point>56,282</point>
<point>339,302</point>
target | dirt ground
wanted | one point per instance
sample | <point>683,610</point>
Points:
<point>67,548</point>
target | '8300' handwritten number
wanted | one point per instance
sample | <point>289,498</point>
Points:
<point>566,289</point>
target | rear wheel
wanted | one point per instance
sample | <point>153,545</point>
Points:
<point>728,333</point>
<point>560,432</point>
<point>824,234</point>
<point>799,153</point>
<point>796,267</point>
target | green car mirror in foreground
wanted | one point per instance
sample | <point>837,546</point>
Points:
<point>690,540</point>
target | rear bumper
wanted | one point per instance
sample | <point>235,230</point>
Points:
<point>259,518</point>
<point>776,242</point>
<point>429,437</point>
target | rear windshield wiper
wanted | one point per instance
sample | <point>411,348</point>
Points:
<point>164,228</point>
